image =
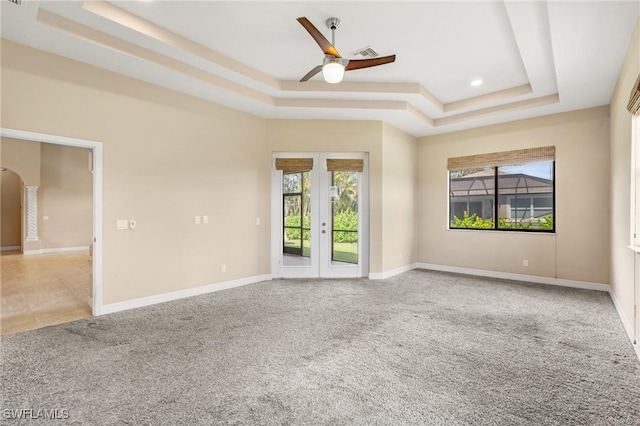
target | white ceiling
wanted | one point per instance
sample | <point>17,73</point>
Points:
<point>535,58</point>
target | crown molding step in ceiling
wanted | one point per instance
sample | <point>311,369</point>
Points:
<point>520,55</point>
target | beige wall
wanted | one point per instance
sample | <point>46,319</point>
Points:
<point>10,209</point>
<point>399,198</point>
<point>22,157</point>
<point>580,248</point>
<point>65,197</point>
<point>166,158</point>
<point>621,257</point>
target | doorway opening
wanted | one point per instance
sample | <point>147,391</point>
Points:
<point>76,269</point>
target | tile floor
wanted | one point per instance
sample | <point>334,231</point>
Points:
<point>41,290</point>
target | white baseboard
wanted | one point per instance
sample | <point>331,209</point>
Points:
<point>516,277</point>
<point>56,250</point>
<point>391,273</point>
<point>180,294</point>
<point>8,248</point>
<point>625,323</point>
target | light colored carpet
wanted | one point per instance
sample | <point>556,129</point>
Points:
<point>422,348</point>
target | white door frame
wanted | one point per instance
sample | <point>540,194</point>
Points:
<point>317,270</point>
<point>96,149</point>
<point>635,226</point>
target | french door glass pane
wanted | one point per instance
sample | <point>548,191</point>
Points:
<point>344,201</point>
<point>296,214</point>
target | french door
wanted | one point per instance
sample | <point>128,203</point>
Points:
<point>319,226</point>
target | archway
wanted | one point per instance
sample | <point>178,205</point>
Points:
<point>11,210</point>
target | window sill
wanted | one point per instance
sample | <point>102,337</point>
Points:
<point>634,248</point>
<point>504,231</point>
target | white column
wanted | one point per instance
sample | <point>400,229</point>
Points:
<point>31,204</point>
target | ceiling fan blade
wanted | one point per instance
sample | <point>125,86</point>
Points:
<point>311,73</point>
<point>356,64</point>
<point>324,44</point>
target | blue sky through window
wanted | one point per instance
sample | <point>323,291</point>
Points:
<point>541,169</point>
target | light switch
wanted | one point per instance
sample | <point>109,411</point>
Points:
<point>257,221</point>
<point>197,220</point>
<point>122,224</point>
<point>205,219</point>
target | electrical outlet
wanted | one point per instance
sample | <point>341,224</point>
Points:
<point>205,219</point>
<point>223,268</point>
<point>525,262</point>
<point>197,220</point>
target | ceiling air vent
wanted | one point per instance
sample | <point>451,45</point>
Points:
<point>16,1</point>
<point>366,52</point>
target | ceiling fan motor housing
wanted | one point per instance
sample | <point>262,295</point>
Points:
<point>333,23</point>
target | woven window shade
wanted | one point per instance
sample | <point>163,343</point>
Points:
<point>634,99</point>
<point>344,165</point>
<point>506,158</point>
<point>292,165</point>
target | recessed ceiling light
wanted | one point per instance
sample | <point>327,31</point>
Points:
<point>476,82</point>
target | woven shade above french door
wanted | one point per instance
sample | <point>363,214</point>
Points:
<point>634,99</point>
<point>294,165</point>
<point>506,158</point>
<point>345,165</point>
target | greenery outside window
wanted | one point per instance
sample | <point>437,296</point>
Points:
<point>296,207</point>
<point>506,195</point>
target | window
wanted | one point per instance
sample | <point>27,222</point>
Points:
<point>635,183</point>
<point>513,190</point>
<point>634,108</point>
<point>471,197</point>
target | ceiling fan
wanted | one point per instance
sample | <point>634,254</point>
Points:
<point>333,66</point>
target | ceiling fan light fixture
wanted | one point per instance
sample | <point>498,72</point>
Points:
<point>333,69</point>
<point>333,72</point>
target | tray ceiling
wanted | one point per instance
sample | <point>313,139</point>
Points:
<point>534,58</point>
